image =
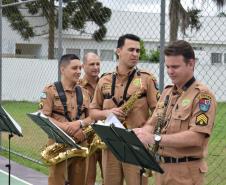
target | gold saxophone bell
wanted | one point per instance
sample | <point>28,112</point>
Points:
<point>57,153</point>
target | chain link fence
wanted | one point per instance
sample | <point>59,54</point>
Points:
<point>30,48</point>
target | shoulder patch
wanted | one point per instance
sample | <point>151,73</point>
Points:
<point>105,74</point>
<point>204,102</point>
<point>201,120</point>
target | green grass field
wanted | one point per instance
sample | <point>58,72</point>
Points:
<point>34,139</point>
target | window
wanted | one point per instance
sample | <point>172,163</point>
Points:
<point>216,58</point>
<point>107,55</point>
<point>73,51</point>
<point>198,48</point>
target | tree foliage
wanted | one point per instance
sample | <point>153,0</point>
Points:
<point>180,17</point>
<point>76,13</point>
<point>146,56</point>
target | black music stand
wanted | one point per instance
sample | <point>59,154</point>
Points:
<point>53,131</point>
<point>126,146</point>
<point>8,124</point>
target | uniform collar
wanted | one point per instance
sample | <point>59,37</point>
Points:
<point>188,83</point>
<point>179,91</point>
<point>85,82</point>
<point>125,74</point>
<point>69,89</point>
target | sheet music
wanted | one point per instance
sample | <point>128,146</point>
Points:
<point>13,121</point>
<point>112,119</point>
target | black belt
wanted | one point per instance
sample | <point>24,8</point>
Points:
<point>175,160</point>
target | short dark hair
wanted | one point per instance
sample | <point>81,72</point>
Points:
<point>65,59</point>
<point>180,47</point>
<point>121,40</point>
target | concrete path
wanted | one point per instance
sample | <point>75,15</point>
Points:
<point>27,174</point>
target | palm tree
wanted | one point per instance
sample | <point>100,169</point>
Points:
<point>179,17</point>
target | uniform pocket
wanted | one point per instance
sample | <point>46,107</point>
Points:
<point>180,120</point>
<point>58,106</point>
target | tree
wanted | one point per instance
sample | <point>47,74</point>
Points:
<point>179,17</point>
<point>155,56</point>
<point>146,56</point>
<point>76,13</point>
<point>143,52</point>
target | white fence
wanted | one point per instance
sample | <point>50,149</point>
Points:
<point>24,79</point>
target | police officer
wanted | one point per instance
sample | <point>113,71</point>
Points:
<point>112,91</point>
<point>189,121</point>
<point>91,67</point>
<point>69,118</point>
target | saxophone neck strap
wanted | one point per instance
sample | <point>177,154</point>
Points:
<point>124,98</point>
<point>63,99</point>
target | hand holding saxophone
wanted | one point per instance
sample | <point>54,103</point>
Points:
<point>145,136</point>
<point>74,130</point>
<point>117,112</point>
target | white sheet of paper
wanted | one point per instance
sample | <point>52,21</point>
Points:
<point>112,119</point>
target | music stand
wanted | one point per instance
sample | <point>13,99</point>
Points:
<point>8,124</point>
<point>53,131</point>
<point>126,146</point>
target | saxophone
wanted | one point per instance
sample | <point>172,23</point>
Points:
<point>160,122</point>
<point>162,108</point>
<point>128,105</point>
<point>56,153</point>
<point>94,141</point>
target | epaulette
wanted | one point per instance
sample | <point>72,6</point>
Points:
<point>105,74</point>
<point>202,88</point>
<point>148,73</point>
<point>168,86</point>
<point>49,86</point>
<point>82,82</point>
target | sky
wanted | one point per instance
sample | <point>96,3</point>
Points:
<point>153,6</point>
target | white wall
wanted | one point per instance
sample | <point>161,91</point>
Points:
<point>24,79</point>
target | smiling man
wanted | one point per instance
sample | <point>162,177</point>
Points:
<point>59,101</point>
<point>182,121</point>
<point>112,91</point>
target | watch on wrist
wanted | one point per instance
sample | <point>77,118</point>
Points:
<point>81,124</point>
<point>157,138</point>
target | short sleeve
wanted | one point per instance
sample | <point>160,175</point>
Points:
<point>204,111</point>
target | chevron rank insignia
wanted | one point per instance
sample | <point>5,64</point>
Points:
<point>201,120</point>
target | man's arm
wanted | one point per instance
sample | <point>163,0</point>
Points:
<point>183,139</point>
<point>177,140</point>
<point>98,114</point>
